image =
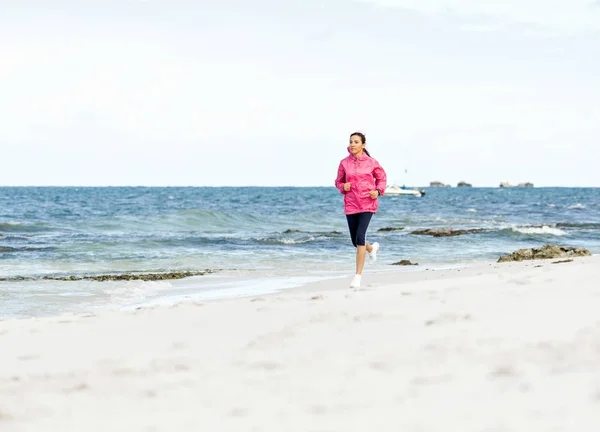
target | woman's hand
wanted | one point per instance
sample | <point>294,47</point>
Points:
<point>374,194</point>
<point>347,186</point>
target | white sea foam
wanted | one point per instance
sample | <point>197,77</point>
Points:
<point>577,206</point>
<point>291,241</point>
<point>543,230</point>
<point>471,210</point>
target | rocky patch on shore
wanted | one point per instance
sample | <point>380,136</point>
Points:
<point>118,277</point>
<point>548,251</point>
<point>447,232</point>
<point>405,263</point>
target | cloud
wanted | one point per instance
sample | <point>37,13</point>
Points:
<point>481,27</point>
<point>554,15</point>
<point>234,93</point>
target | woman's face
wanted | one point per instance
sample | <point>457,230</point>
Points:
<point>356,145</point>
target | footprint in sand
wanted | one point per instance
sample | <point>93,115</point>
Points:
<point>381,366</point>
<point>317,410</point>
<point>266,365</point>
<point>368,317</point>
<point>504,371</point>
<point>178,346</point>
<point>521,281</point>
<point>76,388</point>
<point>272,339</point>
<point>238,412</point>
<point>447,318</point>
<point>28,357</point>
<point>4,416</point>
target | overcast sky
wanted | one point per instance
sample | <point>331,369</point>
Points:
<point>237,92</point>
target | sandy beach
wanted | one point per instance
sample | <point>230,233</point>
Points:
<point>492,347</point>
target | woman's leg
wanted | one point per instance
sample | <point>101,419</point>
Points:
<point>353,225</point>
<point>361,242</point>
<point>353,220</point>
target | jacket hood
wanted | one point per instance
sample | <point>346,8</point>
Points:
<point>364,156</point>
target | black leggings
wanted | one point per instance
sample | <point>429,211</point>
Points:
<point>358,224</point>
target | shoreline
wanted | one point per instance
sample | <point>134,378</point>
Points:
<point>234,284</point>
<point>209,286</point>
<point>496,346</point>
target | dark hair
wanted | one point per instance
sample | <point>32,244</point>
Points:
<point>363,139</point>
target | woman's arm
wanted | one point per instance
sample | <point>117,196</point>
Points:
<point>340,180</point>
<point>380,179</point>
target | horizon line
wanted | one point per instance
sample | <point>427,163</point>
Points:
<point>282,186</point>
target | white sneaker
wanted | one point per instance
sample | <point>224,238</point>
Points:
<point>373,254</point>
<point>355,281</point>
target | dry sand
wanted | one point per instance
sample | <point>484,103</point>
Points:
<point>494,347</point>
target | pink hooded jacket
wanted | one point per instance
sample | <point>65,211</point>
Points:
<point>366,175</point>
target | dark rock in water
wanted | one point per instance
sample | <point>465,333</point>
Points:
<point>119,277</point>
<point>405,263</point>
<point>447,232</point>
<point>1,235</point>
<point>464,184</point>
<point>562,261</point>
<point>387,229</point>
<point>5,249</point>
<point>335,232</point>
<point>438,184</point>
<point>545,252</point>
<point>289,231</point>
<point>583,225</point>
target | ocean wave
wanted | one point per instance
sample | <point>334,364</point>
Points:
<point>286,241</point>
<point>14,226</point>
<point>197,220</point>
<point>539,230</point>
<point>292,241</point>
<point>25,249</point>
<point>210,220</point>
<point>471,210</point>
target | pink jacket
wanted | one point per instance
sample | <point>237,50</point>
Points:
<point>366,175</point>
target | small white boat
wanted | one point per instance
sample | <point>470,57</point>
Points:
<point>395,190</point>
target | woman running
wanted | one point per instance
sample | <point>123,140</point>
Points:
<point>361,180</point>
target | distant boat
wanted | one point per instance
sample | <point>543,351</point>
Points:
<point>395,190</point>
<point>505,184</point>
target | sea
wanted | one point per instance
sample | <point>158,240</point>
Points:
<point>253,240</point>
